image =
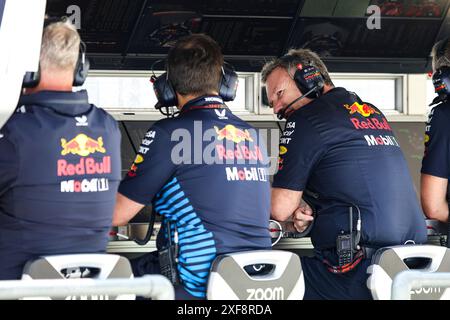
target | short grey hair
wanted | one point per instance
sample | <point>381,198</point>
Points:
<point>440,59</point>
<point>303,56</point>
<point>60,46</point>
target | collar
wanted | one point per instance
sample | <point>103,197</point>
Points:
<point>204,102</point>
<point>70,103</point>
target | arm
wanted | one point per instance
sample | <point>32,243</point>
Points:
<point>287,203</point>
<point>433,192</point>
<point>284,203</point>
<point>125,210</point>
<point>301,148</point>
<point>149,172</point>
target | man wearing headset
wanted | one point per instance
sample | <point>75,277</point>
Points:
<point>204,171</point>
<point>436,161</point>
<point>340,154</point>
<point>59,162</point>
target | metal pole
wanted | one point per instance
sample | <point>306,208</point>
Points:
<point>408,280</point>
<point>156,287</point>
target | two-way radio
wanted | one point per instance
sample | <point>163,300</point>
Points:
<point>347,243</point>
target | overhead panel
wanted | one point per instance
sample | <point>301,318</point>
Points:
<point>343,32</point>
<point>105,25</point>
<point>133,34</point>
<point>337,37</point>
<point>230,7</point>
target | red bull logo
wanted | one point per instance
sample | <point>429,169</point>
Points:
<point>82,145</point>
<point>232,133</point>
<point>280,163</point>
<point>283,150</point>
<point>84,166</point>
<point>132,172</point>
<point>363,109</point>
<point>239,153</point>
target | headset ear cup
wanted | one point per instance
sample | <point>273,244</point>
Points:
<point>228,84</point>
<point>31,79</point>
<point>441,81</point>
<point>81,72</point>
<point>164,91</point>
<point>307,78</point>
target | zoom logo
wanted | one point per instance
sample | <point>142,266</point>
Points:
<point>276,293</point>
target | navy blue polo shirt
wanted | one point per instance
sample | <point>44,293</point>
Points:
<point>206,172</point>
<point>436,160</point>
<point>59,173</point>
<point>344,152</point>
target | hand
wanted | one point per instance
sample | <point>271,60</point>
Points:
<point>302,217</point>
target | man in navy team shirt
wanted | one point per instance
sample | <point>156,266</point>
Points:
<point>204,171</point>
<point>340,154</point>
<point>59,164</point>
<point>436,161</point>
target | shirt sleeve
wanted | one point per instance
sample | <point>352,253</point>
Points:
<point>151,168</point>
<point>301,148</point>
<point>436,159</point>
<point>9,163</point>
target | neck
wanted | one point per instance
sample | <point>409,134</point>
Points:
<point>295,106</point>
<point>327,88</point>
<point>183,99</point>
<point>53,80</point>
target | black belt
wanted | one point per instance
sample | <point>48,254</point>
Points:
<point>363,253</point>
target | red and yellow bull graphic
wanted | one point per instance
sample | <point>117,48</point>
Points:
<point>132,172</point>
<point>230,132</point>
<point>82,145</point>
<point>363,109</point>
<point>280,163</point>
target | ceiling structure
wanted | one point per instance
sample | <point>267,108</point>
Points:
<point>133,34</point>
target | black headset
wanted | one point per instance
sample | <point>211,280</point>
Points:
<point>441,77</point>
<point>165,92</point>
<point>307,77</point>
<point>31,79</point>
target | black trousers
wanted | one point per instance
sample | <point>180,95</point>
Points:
<point>321,284</point>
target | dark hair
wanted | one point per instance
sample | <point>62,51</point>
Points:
<point>194,65</point>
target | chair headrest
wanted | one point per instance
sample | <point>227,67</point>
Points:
<point>260,274</point>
